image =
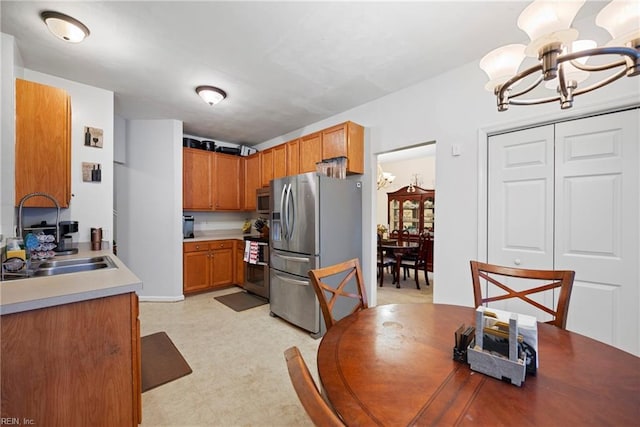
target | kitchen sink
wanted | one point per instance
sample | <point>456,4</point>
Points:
<point>74,265</point>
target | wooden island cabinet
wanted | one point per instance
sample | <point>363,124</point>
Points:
<point>75,364</point>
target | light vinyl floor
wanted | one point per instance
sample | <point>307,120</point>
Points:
<point>239,374</point>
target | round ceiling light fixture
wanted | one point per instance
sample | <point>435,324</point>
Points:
<point>211,94</point>
<point>65,27</point>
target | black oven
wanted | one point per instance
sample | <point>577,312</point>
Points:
<point>256,266</point>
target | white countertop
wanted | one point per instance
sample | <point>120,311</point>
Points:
<point>200,236</point>
<point>40,292</point>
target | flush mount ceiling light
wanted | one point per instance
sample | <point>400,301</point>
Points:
<point>211,94</point>
<point>560,58</point>
<point>65,27</point>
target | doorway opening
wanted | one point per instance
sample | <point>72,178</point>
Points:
<point>408,167</point>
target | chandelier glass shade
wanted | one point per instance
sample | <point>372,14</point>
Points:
<point>384,178</point>
<point>562,59</point>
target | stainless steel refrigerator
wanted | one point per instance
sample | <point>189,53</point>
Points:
<point>316,221</point>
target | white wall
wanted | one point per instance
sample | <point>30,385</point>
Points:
<point>452,108</point>
<point>149,200</point>
<point>10,69</point>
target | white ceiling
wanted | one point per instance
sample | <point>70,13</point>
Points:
<point>284,65</point>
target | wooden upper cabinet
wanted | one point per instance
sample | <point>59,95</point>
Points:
<point>346,139</point>
<point>310,152</point>
<point>293,157</point>
<point>266,165</point>
<point>196,179</point>
<point>210,181</point>
<point>43,144</point>
<point>252,181</point>
<point>280,161</point>
<point>226,182</point>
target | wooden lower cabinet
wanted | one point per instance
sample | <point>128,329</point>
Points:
<point>208,265</point>
<point>74,364</point>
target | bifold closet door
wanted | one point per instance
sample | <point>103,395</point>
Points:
<point>566,196</point>
<point>520,209</point>
<point>597,224</point>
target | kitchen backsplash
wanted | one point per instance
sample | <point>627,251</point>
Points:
<point>206,221</point>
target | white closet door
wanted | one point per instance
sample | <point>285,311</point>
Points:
<point>520,208</point>
<point>597,224</point>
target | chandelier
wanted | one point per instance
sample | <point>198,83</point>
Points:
<point>561,57</point>
<point>384,178</point>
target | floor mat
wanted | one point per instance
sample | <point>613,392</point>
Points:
<point>241,301</point>
<point>161,361</point>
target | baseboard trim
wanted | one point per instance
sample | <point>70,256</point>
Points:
<point>147,298</point>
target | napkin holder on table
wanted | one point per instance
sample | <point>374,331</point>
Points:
<point>512,368</point>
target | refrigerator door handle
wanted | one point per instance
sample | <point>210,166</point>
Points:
<point>293,258</point>
<point>294,281</point>
<point>283,221</point>
<point>287,198</point>
<point>291,220</point>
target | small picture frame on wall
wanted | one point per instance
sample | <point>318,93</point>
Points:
<point>91,172</point>
<point>92,137</point>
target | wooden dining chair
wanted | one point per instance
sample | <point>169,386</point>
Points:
<point>495,275</point>
<point>384,261</point>
<point>317,408</point>
<point>418,261</point>
<point>345,272</point>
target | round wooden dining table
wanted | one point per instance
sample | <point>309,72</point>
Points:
<point>392,365</point>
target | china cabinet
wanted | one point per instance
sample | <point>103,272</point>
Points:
<point>411,208</point>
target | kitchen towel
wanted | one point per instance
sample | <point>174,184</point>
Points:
<point>251,252</point>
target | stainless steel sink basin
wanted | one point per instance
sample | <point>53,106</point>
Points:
<point>74,265</point>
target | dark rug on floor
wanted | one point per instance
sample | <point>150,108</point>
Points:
<point>161,361</point>
<point>241,301</point>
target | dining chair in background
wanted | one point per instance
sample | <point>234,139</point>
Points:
<point>418,260</point>
<point>384,261</point>
<point>495,275</point>
<point>317,408</point>
<point>346,272</point>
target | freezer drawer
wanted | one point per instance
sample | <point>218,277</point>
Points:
<point>293,299</point>
<point>293,263</point>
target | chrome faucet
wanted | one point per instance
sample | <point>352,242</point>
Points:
<point>27,197</point>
